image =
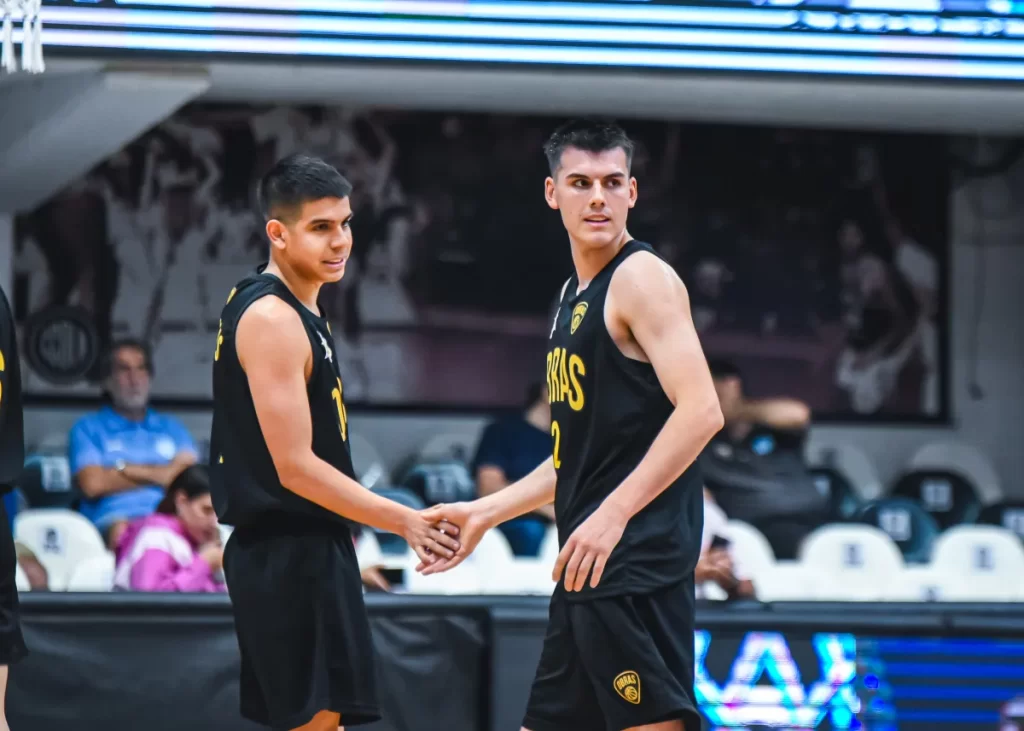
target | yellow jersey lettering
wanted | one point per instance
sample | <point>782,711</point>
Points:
<point>576,370</point>
<point>553,389</point>
<point>547,379</point>
<point>342,415</point>
<point>556,434</point>
<point>220,340</point>
<point>563,377</point>
<point>3,368</point>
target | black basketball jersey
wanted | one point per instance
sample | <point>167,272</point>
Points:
<point>606,410</point>
<point>244,482</point>
<point>12,427</point>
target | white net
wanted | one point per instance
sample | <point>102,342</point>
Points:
<point>28,12</point>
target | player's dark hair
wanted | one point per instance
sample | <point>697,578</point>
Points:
<point>589,135</point>
<point>194,481</point>
<point>107,362</point>
<point>295,180</point>
<point>721,368</point>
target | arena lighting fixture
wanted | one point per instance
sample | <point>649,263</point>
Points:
<point>898,38</point>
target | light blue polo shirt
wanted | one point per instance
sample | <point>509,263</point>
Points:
<point>103,438</point>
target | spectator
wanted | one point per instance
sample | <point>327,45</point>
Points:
<point>178,548</point>
<point>35,572</point>
<point>718,563</point>
<point>509,450</point>
<point>125,455</point>
<point>755,469</point>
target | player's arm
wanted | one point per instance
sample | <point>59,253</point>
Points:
<point>97,481</point>
<point>274,351</point>
<point>652,302</point>
<point>475,518</point>
<point>647,299</point>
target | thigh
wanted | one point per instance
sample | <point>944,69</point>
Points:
<point>561,698</point>
<point>638,653</point>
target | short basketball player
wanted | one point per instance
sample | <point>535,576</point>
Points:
<point>632,405</point>
<point>12,460</point>
<point>282,470</point>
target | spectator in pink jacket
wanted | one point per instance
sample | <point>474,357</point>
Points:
<point>177,548</point>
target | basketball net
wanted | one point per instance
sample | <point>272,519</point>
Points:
<point>31,36</point>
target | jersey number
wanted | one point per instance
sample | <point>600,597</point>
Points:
<point>342,415</point>
<point>556,434</point>
<point>220,327</point>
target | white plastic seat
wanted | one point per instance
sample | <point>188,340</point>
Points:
<point>862,560</point>
<point>521,576</point>
<point>980,563</point>
<point>792,581</point>
<point>60,539</point>
<point>917,584</point>
<point>21,579</point>
<point>493,553</point>
<point>93,574</point>
<point>463,579</point>
<point>750,548</point>
<point>368,553</point>
<point>549,550</point>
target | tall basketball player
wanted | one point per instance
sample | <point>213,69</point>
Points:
<point>632,405</point>
<point>12,460</point>
<point>282,470</point>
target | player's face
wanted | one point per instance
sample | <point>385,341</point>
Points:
<point>128,384</point>
<point>316,243</point>
<point>198,516</point>
<point>594,192</point>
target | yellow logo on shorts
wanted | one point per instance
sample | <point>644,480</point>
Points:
<point>577,316</point>
<point>627,684</point>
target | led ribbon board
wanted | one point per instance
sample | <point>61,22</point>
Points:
<point>942,39</point>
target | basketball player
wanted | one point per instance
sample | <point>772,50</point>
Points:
<point>12,460</point>
<point>282,470</point>
<point>632,405</point>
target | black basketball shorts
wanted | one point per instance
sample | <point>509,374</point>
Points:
<point>301,623</point>
<point>12,644</point>
<point>617,662</point>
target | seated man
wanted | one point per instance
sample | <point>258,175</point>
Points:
<point>755,468</point>
<point>125,455</point>
<point>509,450</point>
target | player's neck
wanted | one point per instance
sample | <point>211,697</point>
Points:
<point>305,291</point>
<point>589,261</point>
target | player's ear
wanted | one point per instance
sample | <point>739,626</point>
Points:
<point>276,232</point>
<point>549,193</point>
<point>632,192</point>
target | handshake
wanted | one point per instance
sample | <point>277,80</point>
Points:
<point>444,535</point>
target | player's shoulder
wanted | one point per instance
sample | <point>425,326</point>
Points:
<point>271,323</point>
<point>644,275</point>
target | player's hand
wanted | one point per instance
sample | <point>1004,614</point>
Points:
<point>471,524</point>
<point>430,540</point>
<point>588,548</point>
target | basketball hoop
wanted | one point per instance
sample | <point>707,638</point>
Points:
<point>31,36</point>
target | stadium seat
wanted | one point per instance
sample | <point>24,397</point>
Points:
<point>520,576</point>
<point>60,540</point>
<point>368,551</point>
<point>1007,514</point>
<point>980,563</point>
<point>46,482</point>
<point>750,548</point>
<point>792,581</point>
<point>849,461</point>
<point>21,579</point>
<point>93,574</point>
<point>493,552</point>
<point>917,584</point>
<point>391,544</point>
<point>453,445</point>
<point>463,579</point>
<point>947,496</point>
<point>549,547</point>
<point>844,503</point>
<point>963,459</point>
<point>369,465</point>
<point>908,524</point>
<point>863,561</point>
<point>440,481</point>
